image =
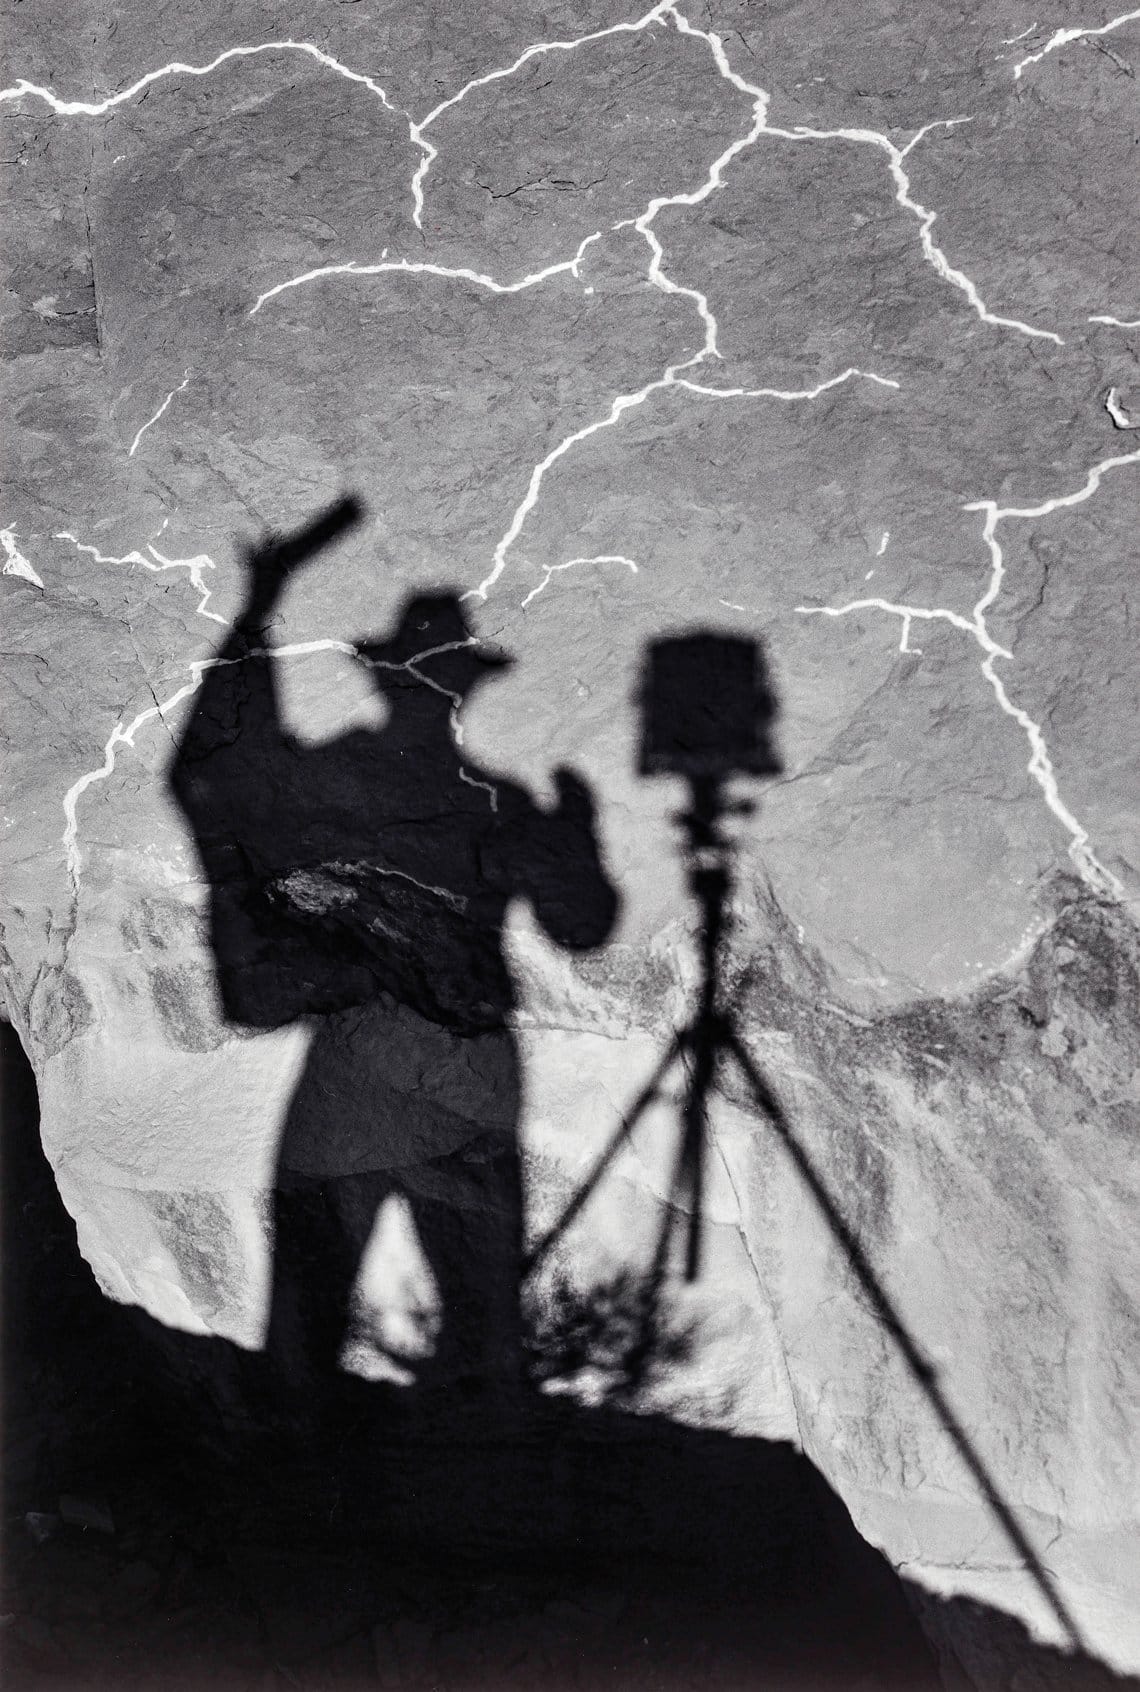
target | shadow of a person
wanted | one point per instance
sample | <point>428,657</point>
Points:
<point>362,885</point>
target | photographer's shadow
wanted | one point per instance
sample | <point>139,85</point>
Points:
<point>362,887</point>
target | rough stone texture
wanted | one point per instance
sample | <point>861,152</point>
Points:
<point>935,952</point>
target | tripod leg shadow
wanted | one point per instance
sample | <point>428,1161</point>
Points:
<point>916,1361</point>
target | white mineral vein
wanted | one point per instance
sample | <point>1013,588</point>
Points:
<point>656,275</point>
<point>907,613</point>
<point>926,218</point>
<point>365,867</point>
<point>553,570</point>
<point>151,421</point>
<point>23,89</point>
<point>708,392</point>
<point>412,665</point>
<point>631,27</point>
<point>125,735</point>
<point>627,402</point>
<point>1118,322</point>
<point>760,126</point>
<point>1117,412</point>
<point>157,563</point>
<point>656,15</point>
<point>1062,37</point>
<point>96,108</point>
<point>1040,765</point>
<point>419,267</point>
<point>17,564</point>
<point>1008,40</point>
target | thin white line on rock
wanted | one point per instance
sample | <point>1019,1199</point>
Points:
<point>1040,765</point>
<point>161,412</point>
<point>554,569</point>
<point>1062,37</point>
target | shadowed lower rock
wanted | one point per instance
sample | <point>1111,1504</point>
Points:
<point>404,1542</point>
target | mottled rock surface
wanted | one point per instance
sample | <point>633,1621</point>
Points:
<point>729,317</point>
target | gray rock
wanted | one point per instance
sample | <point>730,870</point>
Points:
<point>895,465</point>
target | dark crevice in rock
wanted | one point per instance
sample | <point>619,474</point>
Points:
<point>94,308</point>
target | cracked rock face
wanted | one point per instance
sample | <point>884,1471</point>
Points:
<point>626,325</point>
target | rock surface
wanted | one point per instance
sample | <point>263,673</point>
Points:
<point>629,325</point>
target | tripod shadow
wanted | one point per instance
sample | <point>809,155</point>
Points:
<point>709,712</point>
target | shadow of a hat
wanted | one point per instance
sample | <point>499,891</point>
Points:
<point>433,626</point>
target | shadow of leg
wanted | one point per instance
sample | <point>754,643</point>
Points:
<point>467,1208</point>
<point>321,1228</point>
